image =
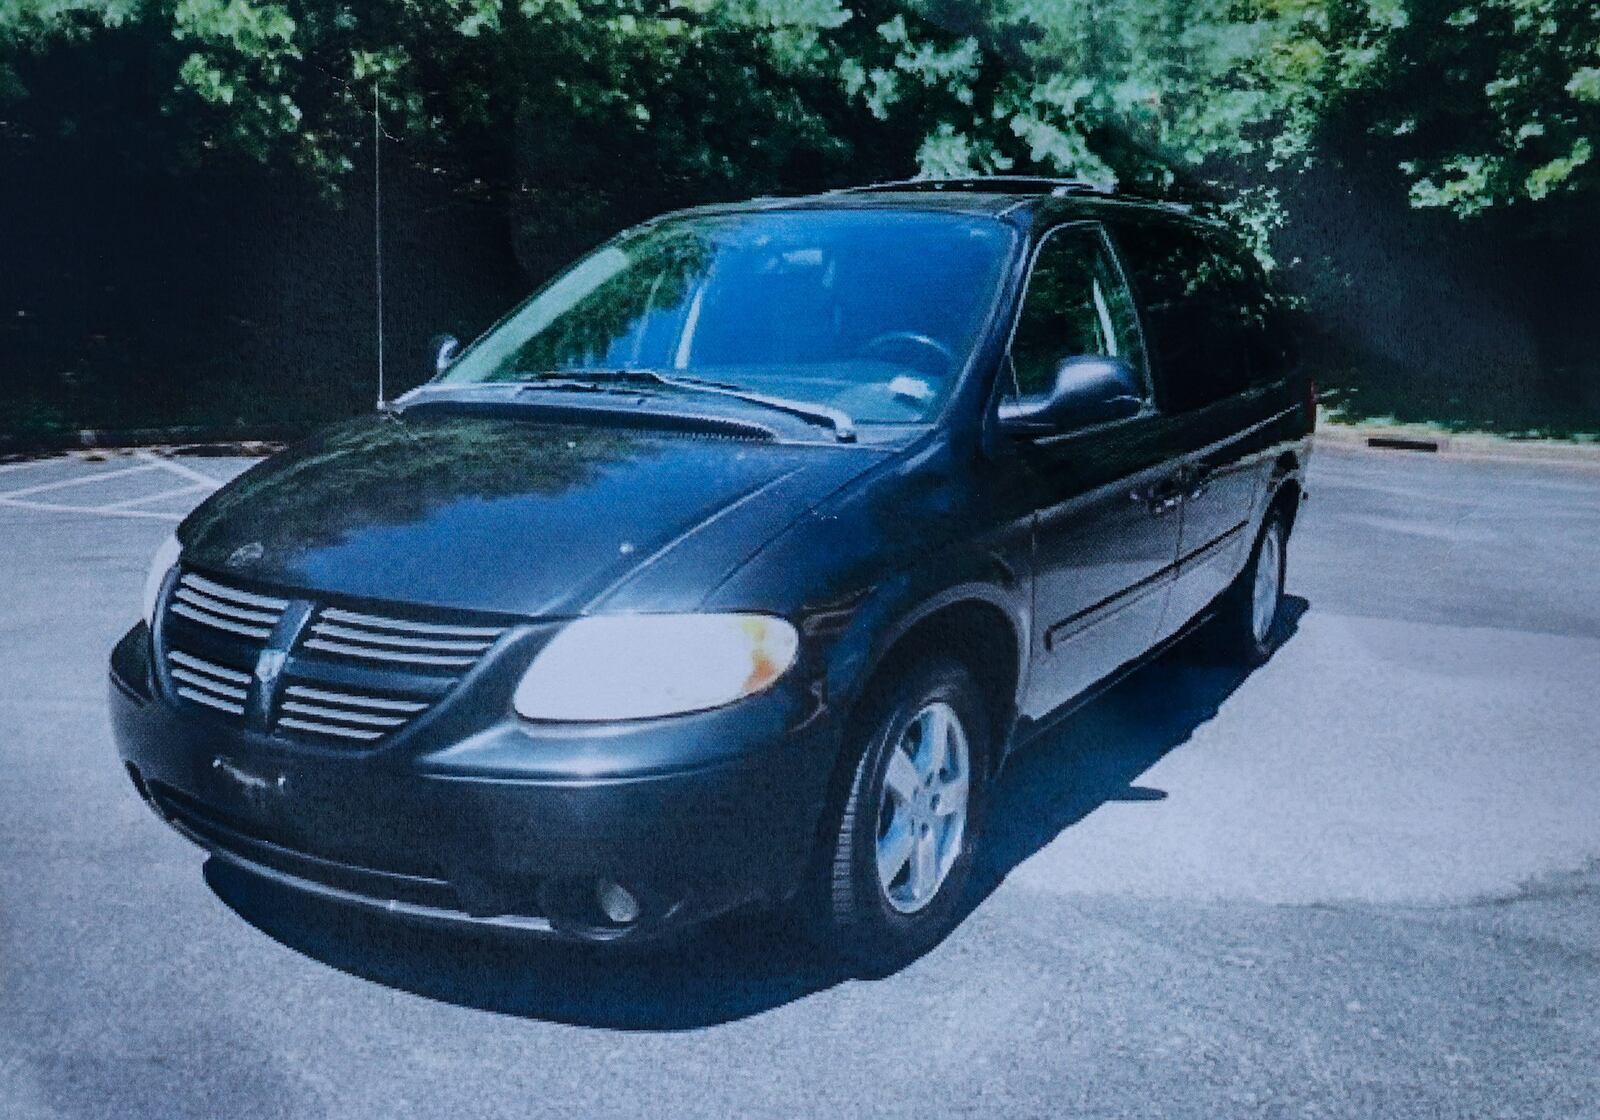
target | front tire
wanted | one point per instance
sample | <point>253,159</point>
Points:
<point>898,854</point>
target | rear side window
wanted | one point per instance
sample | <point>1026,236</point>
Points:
<point>1076,303</point>
<point>1205,312</point>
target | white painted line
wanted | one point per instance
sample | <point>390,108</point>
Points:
<point>63,483</point>
<point>52,507</point>
<point>192,488</point>
<point>179,468</point>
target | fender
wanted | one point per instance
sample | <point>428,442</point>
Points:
<point>882,615</point>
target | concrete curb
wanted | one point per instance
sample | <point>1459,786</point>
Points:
<point>1373,437</point>
<point>196,439</point>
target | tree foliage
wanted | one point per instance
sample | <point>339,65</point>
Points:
<point>577,117</point>
<point>1489,103</point>
<point>1480,102</point>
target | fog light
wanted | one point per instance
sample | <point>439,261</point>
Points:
<point>615,902</point>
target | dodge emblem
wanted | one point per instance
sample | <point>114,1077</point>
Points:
<point>246,554</point>
<point>269,665</point>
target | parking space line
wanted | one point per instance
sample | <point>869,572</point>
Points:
<point>192,488</point>
<point>63,483</point>
<point>181,469</point>
<point>195,484</point>
<point>107,511</point>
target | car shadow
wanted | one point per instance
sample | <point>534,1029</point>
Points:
<point>745,964</point>
<point>1095,755</point>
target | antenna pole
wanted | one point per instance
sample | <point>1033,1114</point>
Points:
<point>377,228</point>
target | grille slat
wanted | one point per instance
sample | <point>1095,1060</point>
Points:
<point>399,656</point>
<point>398,641</point>
<point>219,671</point>
<point>378,702</point>
<point>206,683</point>
<point>374,622</point>
<point>211,701</point>
<point>234,594</point>
<point>352,678</point>
<point>229,609</point>
<point>216,606</point>
<point>198,681</point>
<point>401,641</point>
<point>185,610</point>
<point>335,730</point>
<point>300,708</point>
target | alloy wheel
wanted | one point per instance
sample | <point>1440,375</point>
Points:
<point>1268,586</point>
<point>922,819</point>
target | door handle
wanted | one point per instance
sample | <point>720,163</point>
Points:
<point>1159,500</point>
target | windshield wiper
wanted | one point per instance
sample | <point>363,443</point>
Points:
<point>844,427</point>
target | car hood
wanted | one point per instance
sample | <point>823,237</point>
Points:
<point>507,515</point>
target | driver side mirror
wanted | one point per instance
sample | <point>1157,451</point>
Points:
<point>1089,389</point>
<point>444,347</point>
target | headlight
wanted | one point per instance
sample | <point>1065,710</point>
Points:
<point>612,667</point>
<point>166,556</point>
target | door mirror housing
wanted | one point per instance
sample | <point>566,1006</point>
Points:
<point>1089,389</point>
<point>444,348</point>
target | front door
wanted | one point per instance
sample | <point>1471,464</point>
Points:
<point>1107,497</point>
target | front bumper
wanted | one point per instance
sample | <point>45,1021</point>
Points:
<point>512,825</point>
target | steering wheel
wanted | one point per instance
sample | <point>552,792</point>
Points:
<point>888,339</point>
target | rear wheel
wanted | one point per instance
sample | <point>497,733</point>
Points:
<point>1249,623</point>
<point>899,852</point>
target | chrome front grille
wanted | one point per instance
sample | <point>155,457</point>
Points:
<point>375,638</point>
<point>226,608</point>
<point>343,715</point>
<point>205,682</point>
<point>339,676</point>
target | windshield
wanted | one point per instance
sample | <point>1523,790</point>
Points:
<point>874,314</point>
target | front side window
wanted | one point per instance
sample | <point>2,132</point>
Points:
<point>1076,304</point>
<point>875,314</point>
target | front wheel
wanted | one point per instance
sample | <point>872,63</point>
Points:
<point>899,852</point>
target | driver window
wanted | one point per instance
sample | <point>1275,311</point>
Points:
<point>1076,303</point>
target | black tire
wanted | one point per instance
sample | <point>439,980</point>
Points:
<point>851,914</point>
<point>1235,631</point>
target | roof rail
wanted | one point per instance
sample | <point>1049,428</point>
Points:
<point>1001,184</point>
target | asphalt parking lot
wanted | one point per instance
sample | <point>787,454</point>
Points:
<point>1360,881</point>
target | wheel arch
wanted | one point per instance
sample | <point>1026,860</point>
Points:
<point>1286,491</point>
<point>974,624</point>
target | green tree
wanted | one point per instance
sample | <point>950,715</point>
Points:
<point>1486,103</point>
